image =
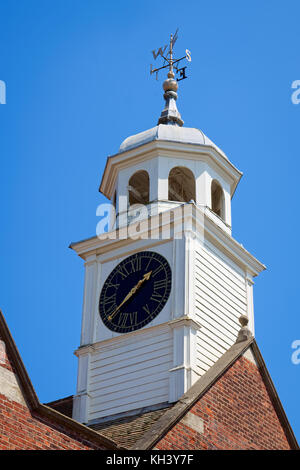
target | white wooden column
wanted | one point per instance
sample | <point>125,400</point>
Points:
<point>90,284</point>
<point>81,400</point>
<point>227,203</point>
<point>203,193</point>
<point>250,305</point>
<point>178,284</point>
<point>189,262</point>
<point>162,181</point>
<point>182,374</point>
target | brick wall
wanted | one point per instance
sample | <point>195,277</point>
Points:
<point>23,428</point>
<point>235,413</point>
<point>20,429</point>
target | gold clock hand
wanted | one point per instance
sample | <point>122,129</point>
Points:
<point>146,277</point>
<point>111,316</point>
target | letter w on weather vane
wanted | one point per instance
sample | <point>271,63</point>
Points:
<point>169,61</point>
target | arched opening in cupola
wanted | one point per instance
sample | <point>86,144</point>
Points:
<point>182,186</point>
<point>217,199</point>
<point>138,188</point>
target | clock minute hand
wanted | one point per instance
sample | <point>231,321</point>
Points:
<point>146,277</point>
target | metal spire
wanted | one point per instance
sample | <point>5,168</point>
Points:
<point>170,114</point>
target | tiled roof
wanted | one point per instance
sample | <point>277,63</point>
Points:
<point>126,431</point>
<point>64,405</point>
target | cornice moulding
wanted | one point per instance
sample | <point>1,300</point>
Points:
<point>212,232</point>
<point>184,321</point>
<point>174,323</point>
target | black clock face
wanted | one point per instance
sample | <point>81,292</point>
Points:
<point>135,292</point>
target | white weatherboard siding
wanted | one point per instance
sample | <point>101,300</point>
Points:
<point>130,373</point>
<point>220,299</point>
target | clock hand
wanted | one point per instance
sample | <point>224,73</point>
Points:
<point>146,277</point>
<point>110,317</point>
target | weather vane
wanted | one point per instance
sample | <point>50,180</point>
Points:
<point>170,114</point>
<point>169,61</point>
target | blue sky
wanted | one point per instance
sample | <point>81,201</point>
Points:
<point>78,83</point>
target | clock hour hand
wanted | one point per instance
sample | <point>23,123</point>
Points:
<point>146,277</point>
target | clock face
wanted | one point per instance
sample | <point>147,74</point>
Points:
<point>135,292</point>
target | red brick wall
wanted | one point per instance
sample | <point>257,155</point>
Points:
<point>21,428</point>
<point>237,414</point>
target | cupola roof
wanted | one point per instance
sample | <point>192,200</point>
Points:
<point>187,135</point>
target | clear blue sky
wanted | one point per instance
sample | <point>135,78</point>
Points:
<point>78,83</point>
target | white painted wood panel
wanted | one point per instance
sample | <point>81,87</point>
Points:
<point>139,361</point>
<point>215,318</point>
<point>106,399</point>
<point>109,350</point>
<point>105,388</point>
<point>220,299</point>
<point>216,302</point>
<point>237,292</point>
<point>131,373</point>
<point>133,357</point>
<point>118,378</point>
<point>218,291</point>
<point>215,257</point>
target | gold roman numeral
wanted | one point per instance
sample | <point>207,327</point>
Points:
<point>157,270</point>
<point>110,309</point>
<point>162,284</point>
<point>110,284</point>
<point>135,264</point>
<point>147,309</point>
<point>156,296</point>
<point>151,258</point>
<point>123,272</point>
<point>110,299</point>
<point>123,319</point>
<point>133,318</point>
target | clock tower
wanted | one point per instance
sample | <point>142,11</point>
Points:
<point>166,286</point>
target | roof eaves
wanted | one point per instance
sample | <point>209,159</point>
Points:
<point>75,426</point>
<point>275,398</point>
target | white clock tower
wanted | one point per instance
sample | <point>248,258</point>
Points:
<point>171,188</point>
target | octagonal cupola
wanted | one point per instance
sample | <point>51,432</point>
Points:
<point>170,164</point>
